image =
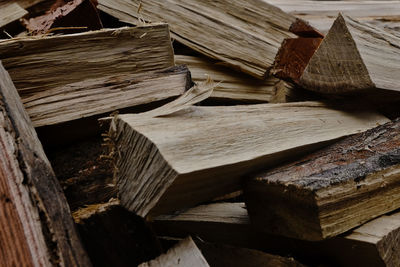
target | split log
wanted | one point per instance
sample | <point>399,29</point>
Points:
<point>185,253</point>
<point>120,68</point>
<point>372,244</point>
<point>70,16</point>
<point>353,57</point>
<point>321,14</point>
<point>37,227</point>
<point>25,3</point>
<point>10,12</point>
<point>179,155</point>
<point>236,86</point>
<point>245,35</point>
<point>114,236</point>
<point>330,191</point>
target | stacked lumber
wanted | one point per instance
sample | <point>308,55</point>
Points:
<point>199,133</point>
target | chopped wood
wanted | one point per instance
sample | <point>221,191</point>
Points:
<point>179,155</point>
<point>115,237</point>
<point>185,253</point>
<point>37,227</point>
<point>330,191</point>
<point>321,14</point>
<point>25,3</point>
<point>232,85</point>
<point>10,12</point>
<point>72,16</point>
<point>353,57</point>
<point>372,244</point>
<point>245,35</point>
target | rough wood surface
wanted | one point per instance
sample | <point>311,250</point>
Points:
<point>10,12</point>
<point>37,228</point>
<point>185,154</point>
<point>232,85</point>
<point>38,64</point>
<point>185,253</point>
<point>114,236</point>
<point>245,35</point>
<point>331,191</point>
<point>354,57</point>
<point>321,14</point>
<point>372,244</point>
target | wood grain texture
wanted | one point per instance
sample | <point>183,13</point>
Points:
<point>245,35</point>
<point>331,191</point>
<point>180,155</point>
<point>354,57</point>
<point>232,85</point>
<point>38,228</point>
<point>38,64</point>
<point>185,253</point>
<point>372,244</point>
<point>10,12</point>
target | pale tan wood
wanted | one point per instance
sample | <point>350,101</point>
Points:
<point>321,14</point>
<point>185,253</point>
<point>10,12</point>
<point>354,57</point>
<point>245,35</point>
<point>37,227</point>
<point>375,243</point>
<point>180,155</point>
<point>332,190</point>
<point>232,85</point>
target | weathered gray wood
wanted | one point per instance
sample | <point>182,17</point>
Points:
<point>245,35</point>
<point>354,57</point>
<point>10,12</point>
<point>330,191</point>
<point>185,253</point>
<point>375,243</point>
<point>180,155</point>
<point>37,228</point>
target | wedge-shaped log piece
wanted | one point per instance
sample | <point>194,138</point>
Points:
<point>180,155</point>
<point>36,224</point>
<point>354,57</point>
<point>38,64</point>
<point>185,253</point>
<point>372,244</point>
<point>236,86</point>
<point>330,191</point>
<point>245,35</point>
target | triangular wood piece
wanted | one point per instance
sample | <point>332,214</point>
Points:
<point>330,191</point>
<point>354,57</point>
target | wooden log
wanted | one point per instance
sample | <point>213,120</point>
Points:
<point>321,14</point>
<point>235,86</point>
<point>37,227</point>
<point>180,155</point>
<point>330,191</point>
<point>353,57</point>
<point>10,12</point>
<point>114,236</point>
<point>185,253</point>
<point>68,17</point>
<point>372,244</point>
<point>245,35</point>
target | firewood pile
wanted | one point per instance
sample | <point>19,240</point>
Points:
<point>199,133</point>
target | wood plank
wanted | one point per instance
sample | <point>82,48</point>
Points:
<point>321,14</point>
<point>114,236</point>
<point>10,12</point>
<point>37,227</point>
<point>372,244</point>
<point>186,154</point>
<point>354,57</point>
<point>330,191</point>
<point>232,85</point>
<point>185,253</point>
<point>245,35</point>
